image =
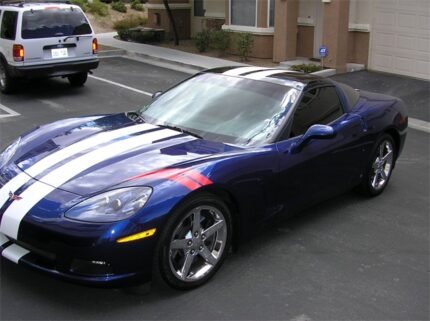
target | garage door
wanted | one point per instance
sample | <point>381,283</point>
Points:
<point>401,37</point>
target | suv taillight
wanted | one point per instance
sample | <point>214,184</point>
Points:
<point>18,53</point>
<point>95,46</point>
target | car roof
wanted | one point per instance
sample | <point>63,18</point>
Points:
<point>36,5</point>
<point>278,76</point>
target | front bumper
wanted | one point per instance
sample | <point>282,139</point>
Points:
<point>53,70</point>
<point>85,267</point>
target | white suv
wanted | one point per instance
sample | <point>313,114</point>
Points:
<point>40,40</point>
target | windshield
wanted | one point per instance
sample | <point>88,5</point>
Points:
<point>54,22</point>
<point>223,108</point>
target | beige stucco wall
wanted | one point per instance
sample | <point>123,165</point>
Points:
<point>263,46</point>
<point>307,9</point>
<point>360,11</point>
<point>335,35</point>
<point>358,47</point>
<point>262,6</point>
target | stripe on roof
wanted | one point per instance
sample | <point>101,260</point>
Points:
<point>264,73</point>
<point>243,70</point>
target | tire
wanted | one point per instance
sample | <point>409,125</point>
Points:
<point>7,83</point>
<point>78,80</point>
<point>187,255</point>
<point>380,167</point>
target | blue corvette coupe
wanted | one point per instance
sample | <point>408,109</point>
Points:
<point>170,188</point>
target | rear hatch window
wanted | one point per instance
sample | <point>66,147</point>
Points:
<point>54,22</point>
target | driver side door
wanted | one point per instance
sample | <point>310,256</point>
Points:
<point>324,166</point>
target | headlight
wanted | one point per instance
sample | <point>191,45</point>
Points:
<point>111,206</point>
<point>9,152</point>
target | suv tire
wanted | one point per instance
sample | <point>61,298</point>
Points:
<point>7,83</point>
<point>78,80</point>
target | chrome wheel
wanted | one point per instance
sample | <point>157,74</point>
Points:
<point>198,243</point>
<point>382,165</point>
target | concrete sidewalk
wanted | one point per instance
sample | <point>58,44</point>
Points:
<point>175,59</point>
<point>182,61</point>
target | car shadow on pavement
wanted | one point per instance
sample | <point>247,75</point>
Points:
<point>46,88</point>
<point>94,303</point>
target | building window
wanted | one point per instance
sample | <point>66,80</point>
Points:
<point>271,13</point>
<point>199,10</point>
<point>243,12</point>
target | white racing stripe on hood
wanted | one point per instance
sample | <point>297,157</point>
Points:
<point>3,239</point>
<point>14,214</point>
<point>18,181</point>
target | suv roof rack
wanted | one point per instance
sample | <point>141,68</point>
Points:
<point>21,3</point>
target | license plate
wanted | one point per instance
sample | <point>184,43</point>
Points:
<point>59,53</point>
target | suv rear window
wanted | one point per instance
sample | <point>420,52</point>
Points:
<point>54,22</point>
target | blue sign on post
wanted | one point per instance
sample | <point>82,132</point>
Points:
<point>323,51</point>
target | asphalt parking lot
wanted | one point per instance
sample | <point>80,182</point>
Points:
<point>350,258</point>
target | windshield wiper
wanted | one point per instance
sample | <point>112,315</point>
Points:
<point>179,129</point>
<point>77,37</point>
<point>136,116</point>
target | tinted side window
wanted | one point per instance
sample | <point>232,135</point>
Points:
<point>319,105</point>
<point>8,25</point>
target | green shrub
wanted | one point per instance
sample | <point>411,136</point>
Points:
<point>97,8</point>
<point>245,42</point>
<point>124,34</point>
<point>81,3</point>
<point>119,6</point>
<point>141,35</point>
<point>136,5</point>
<point>307,68</point>
<point>129,22</point>
<point>220,40</point>
<point>202,40</point>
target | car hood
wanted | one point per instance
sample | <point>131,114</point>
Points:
<point>91,154</point>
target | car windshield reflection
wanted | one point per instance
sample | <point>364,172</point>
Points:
<point>226,109</point>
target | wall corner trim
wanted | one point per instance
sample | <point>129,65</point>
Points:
<point>253,30</point>
<point>361,27</point>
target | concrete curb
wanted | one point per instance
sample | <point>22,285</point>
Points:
<point>111,53</point>
<point>148,59</point>
<point>166,57</point>
<point>139,55</point>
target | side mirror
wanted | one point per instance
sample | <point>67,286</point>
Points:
<point>156,94</point>
<point>314,132</point>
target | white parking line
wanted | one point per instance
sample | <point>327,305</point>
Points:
<point>416,124</point>
<point>420,125</point>
<point>9,112</point>
<point>121,85</point>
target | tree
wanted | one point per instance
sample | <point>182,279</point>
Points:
<point>172,22</point>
